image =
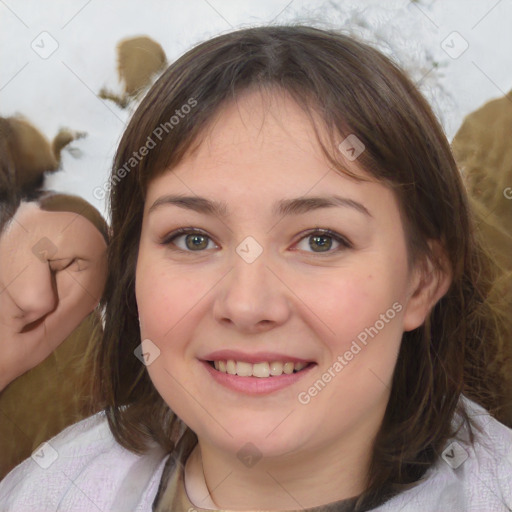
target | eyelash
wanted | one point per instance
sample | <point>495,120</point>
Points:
<point>344,242</point>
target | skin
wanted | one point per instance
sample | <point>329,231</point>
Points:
<point>45,296</point>
<point>293,299</point>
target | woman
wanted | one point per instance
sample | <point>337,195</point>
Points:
<point>293,320</point>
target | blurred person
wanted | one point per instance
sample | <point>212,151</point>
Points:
<point>483,152</point>
<point>52,274</point>
<point>139,60</point>
<point>27,154</point>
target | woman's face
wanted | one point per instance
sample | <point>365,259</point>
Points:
<point>260,282</point>
<point>53,270</point>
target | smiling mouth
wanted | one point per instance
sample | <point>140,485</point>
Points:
<point>260,370</point>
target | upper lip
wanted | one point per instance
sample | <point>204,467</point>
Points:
<point>257,357</point>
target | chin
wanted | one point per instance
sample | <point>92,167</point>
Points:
<point>265,439</point>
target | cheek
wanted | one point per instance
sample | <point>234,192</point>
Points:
<point>167,305</point>
<point>358,366</point>
<point>165,297</point>
<point>347,302</point>
<point>369,333</point>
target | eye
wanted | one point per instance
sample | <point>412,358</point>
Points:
<point>322,239</point>
<point>192,240</point>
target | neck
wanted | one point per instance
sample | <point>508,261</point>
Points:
<point>217,480</point>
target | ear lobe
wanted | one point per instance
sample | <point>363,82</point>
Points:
<point>428,286</point>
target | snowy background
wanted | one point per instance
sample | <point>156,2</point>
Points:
<point>457,51</point>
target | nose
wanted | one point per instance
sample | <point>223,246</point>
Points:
<point>34,292</point>
<point>251,297</point>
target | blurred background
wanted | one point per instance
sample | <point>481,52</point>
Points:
<point>56,56</point>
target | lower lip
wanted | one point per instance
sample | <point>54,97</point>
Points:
<point>256,385</point>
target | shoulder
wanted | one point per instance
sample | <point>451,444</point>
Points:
<point>489,473</point>
<point>467,476</point>
<point>81,469</point>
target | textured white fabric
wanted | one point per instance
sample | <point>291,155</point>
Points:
<point>90,473</point>
<point>94,473</point>
<point>481,483</point>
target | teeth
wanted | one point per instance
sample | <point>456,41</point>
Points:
<point>276,368</point>
<point>288,368</point>
<point>231,367</point>
<point>262,370</point>
<point>243,369</point>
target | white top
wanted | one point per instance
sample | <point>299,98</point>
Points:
<point>83,469</point>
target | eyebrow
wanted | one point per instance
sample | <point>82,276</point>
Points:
<point>295,206</point>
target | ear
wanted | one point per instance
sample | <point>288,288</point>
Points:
<point>427,286</point>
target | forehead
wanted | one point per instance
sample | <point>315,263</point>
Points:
<point>260,141</point>
<point>266,123</point>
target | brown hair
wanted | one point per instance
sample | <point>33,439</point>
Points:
<point>355,90</point>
